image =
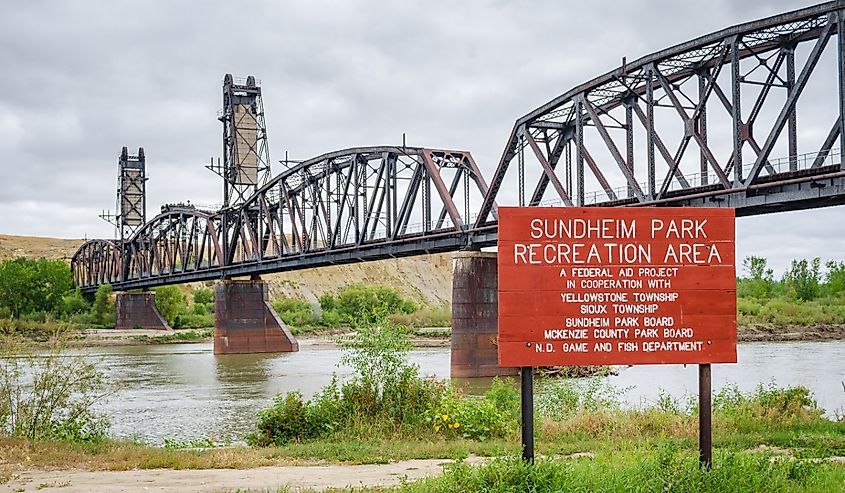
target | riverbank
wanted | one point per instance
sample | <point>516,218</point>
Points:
<point>427,337</point>
<point>596,445</point>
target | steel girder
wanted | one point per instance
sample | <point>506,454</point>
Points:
<point>705,116</point>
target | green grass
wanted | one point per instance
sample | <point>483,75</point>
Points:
<point>664,470</point>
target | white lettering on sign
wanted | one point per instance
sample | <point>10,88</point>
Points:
<point>565,334</point>
<point>685,228</point>
<point>578,228</point>
<point>569,347</point>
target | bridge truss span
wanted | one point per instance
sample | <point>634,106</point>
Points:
<point>356,197</point>
<point>698,124</point>
<point>705,116</point>
<point>355,204</point>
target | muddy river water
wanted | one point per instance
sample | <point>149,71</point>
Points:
<point>184,392</point>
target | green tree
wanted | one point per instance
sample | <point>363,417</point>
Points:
<point>204,296</point>
<point>803,277</point>
<point>171,303</point>
<point>28,286</point>
<point>835,277</point>
<point>103,309</point>
<point>759,281</point>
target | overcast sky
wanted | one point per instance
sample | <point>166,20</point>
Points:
<point>79,80</point>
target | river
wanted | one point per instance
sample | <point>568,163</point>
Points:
<point>184,392</point>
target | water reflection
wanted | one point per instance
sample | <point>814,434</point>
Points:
<point>184,391</point>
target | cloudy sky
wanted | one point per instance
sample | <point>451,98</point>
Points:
<point>80,80</point>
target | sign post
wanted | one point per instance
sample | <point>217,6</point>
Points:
<point>705,434</point>
<point>527,393</point>
<point>616,286</point>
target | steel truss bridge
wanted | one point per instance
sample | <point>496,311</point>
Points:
<point>697,124</point>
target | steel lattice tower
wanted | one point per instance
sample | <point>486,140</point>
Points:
<point>246,156</point>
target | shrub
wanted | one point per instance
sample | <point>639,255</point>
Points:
<point>193,320</point>
<point>360,304</point>
<point>424,317</point>
<point>748,307</point>
<point>295,312</point>
<point>384,395</point>
<point>289,418</point>
<point>73,303</point>
<point>378,355</point>
<point>103,308</point>
<point>766,404</point>
<point>52,395</point>
<point>494,415</point>
<point>561,398</point>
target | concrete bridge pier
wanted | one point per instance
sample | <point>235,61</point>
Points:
<point>475,317</point>
<point>135,310</point>
<point>245,322</point>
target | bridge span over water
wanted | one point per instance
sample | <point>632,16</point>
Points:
<point>750,117</point>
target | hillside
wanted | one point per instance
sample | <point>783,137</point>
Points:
<point>426,278</point>
<point>37,247</point>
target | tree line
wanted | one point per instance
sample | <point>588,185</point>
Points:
<point>41,290</point>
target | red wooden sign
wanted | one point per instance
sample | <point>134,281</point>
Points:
<point>616,286</point>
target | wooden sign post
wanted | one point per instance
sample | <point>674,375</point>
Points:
<point>616,286</point>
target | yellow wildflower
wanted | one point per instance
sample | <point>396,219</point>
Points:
<point>445,417</point>
<point>455,424</point>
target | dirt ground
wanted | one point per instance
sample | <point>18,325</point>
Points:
<point>297,478</point>
<point>769,332</point>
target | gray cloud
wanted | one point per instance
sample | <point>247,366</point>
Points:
<point>83,79</point>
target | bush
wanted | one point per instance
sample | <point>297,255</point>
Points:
<point>192,320</point>
<point>295,312</point>
<point>562,398</point>
<point>360,304</point>
<point>378,355</point>
<point>103,309</point>
<point>494,415</point>
<point>384,395</point>
<point>73,303</point>
<point>424,317</point>
<point>52,395</point>
<point>289,418</point>
<point>204,296</point>
<point>766,404</point>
